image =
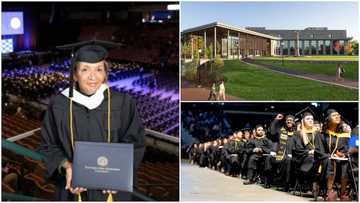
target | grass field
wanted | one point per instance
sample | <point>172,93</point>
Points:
<point>315,58</point>
<point>351,70</point>
<point>252,83</point>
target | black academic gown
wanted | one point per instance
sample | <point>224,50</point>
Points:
<point>305,162</point>
<point>256,158</point>
<point>203,158</point>
<point>331,145</point>
<point>232,150</point>
<point>280,167</point>
<point>89,125</point>
<point>212,155</point>
<point>245,152</point>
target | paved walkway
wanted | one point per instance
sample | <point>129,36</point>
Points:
<point>350,84</point>
<point>191,93</point>
<point>203,184</point>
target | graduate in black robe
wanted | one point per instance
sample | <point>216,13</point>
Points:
<point>336,136</point>
<point>90,123</point>
<point>218,151</point>
<point>192,153</point>
<point>308,153</point>
<point>279,163</point>
<point>203,156</point>
<point>197,152</point>
<point>223,156</point>
<point>232,151</point>
<point>212,154</point>
<point>244,153</point>
<point>257,148</point>
<point>217,155</point>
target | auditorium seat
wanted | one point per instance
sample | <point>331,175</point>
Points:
<point>42,189</point>
<point>7,188</point>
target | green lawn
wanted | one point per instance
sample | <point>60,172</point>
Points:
<point>351,70</point>
<point>315,58</point>
<point>252,83</point>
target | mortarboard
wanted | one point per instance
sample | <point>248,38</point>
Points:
<point>258,126</point>
<point>300,114</point>
<point>329,112</point>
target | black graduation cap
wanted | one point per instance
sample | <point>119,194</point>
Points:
<point>87,51</point>
<point>246,127</point>
<point>326,115</point>
<point>299,114</point>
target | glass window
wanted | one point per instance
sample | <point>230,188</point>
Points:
<point>307,47</point>
<point>327,47</point>
<point>321,47</point>
<point>292,47</point>
<point>234,44</point>
<point>301,47</point>
<point>285,45</point>
<point>224,47</point>
<point>313,47</point>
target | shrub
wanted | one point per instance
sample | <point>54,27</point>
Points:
<point>218,62</point>
<point>190,70</point>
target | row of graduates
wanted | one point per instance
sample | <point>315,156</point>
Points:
<point>306,152</point>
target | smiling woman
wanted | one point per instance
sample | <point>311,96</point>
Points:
<point>89,76</point>
<point>94,113</point>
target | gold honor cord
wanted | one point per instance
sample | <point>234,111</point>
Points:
<point>332,133</point>
<point>110,198</point>
<point>336,145</point>
<point>337,135</point>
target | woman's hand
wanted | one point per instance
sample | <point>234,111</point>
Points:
<point>68,169</point>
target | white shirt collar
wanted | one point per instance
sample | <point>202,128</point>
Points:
<point>90,102</point>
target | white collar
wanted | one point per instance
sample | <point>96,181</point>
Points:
<point>90,102</point>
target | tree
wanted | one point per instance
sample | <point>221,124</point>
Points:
<point>198,45</point>
<point>209,51</point>
<point>218,62</point>
<point>355,47</point>
<point>349,48</point>
<point>186,49</point>
<point>337,46</point>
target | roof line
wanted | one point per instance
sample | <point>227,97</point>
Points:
<point>223,25</point>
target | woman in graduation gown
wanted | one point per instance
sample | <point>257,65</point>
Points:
<point>85,117</point>
<point>308,152</point>
<point>335,139</point>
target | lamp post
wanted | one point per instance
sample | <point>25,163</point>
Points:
<point>297,50</point>
<point>282,52</point>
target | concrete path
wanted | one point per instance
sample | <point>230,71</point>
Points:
<point>203,184</point>
<point>350,84</point>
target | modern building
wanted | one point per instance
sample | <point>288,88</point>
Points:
<point>310,41</point>
<point>218,39</point>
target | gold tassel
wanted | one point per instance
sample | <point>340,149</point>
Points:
<point>79,197</point>
<point>110,198</point>
<point>320,167</point>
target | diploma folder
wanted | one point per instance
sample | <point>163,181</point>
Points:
<point>103,166</point>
